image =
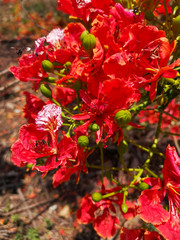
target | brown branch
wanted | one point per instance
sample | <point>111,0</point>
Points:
<point>28,207</point>
<point>4,71</point>
<point>9,85</point>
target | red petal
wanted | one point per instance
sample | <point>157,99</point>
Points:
<point>85,214</point>
<point>105,225</point>
<point>150,209</point>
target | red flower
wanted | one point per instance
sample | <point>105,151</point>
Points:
<point>71,158</point>
<point>138,234</point>
<point>40,139</point>
<point>152,116</point>
<point>114,95</point>
<point>102,214</point>
<point>83,9</point>
<point>30,68</point>
<point>151,210</point>
<point>32,107</point>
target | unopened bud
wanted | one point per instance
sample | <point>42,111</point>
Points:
<point>142,186</point>
<point>47,66</point>
<point>46,90</point>
<point>123,117</point>
<point>161,100</point>
<point>124,208</point>
<point>83,34</point>
<point>67,64</point>
<point>50,79</point>
<point>89,43</point>
<point>122,147</point>
<point>176,26</point>
<point>83,141</point>
<point>94,127</point>
<point>96,197</point>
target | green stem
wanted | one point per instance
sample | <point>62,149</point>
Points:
<point>111,194</point>
<point>124,165</point>
<point>155,5</point>
<point>66,124</point>
<point>135,144</point>
<point>170,80</point>
<point>166,11</point>
<point>154,145</point>
<point>143,148</point>
<point>149,171</point>
<point>170,133</point>
<point>59,74</point>
<point>136,177</point>
<point>54,101</point>
<point>112,168</point>
<point>69,130</point>
<point>102,160</point>
<point>158,128</point>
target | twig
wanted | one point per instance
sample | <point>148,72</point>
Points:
<point>9,85</point>
<point>4,71</point>
<point>29,16</point>
<point>176,144</point>
<point>28,207</point>
<point>22,198</point>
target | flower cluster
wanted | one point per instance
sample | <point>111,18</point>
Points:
<point>98,74</point>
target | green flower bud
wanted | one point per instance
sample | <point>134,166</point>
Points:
<point>176,26</point>
<point>50,79</point>
<point>122,147</point>
<point>46,90</point>
<point>94,127</point>
<point>47,66</point>
<point>96,197</point>
<point>142,186</point>
<point>123,117</point>
<point>83,34</point>
<point>67,64</point>
<point>89,43</point>
<point>83,141</point>
<point>29,166</point>
<point>124,208</point>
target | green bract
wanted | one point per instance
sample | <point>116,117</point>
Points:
<point>96,197</point>
<point>83,141</point>
<point>46,90</point>
<point>47,66</point>
<point>123,117</point>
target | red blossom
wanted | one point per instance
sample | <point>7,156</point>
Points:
<point>113,96</point>
<point>102,214</point>
<point>151,210</point>
<point>32,107</point>
<point>152,116</point>
<point>138,234</point>
<point>84,9</point>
